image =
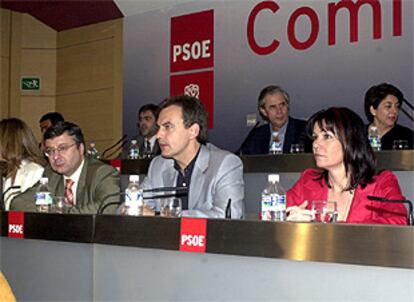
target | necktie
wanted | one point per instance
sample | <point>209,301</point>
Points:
<point>68,191</point>
<point>148,147</point>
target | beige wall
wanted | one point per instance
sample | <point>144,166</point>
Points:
<point>5,61</point>
<point>89,80</point>
<point>80,70</point>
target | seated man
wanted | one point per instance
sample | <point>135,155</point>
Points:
<point>212,175</point>
<point>86,183</point>
<point>146,139</point>
<point>49,119</point>
<point>273,105</point>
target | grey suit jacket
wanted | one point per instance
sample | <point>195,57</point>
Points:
<point>98,184</point>
<point>217,176</point>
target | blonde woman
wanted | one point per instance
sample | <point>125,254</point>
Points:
<point>22,161</point>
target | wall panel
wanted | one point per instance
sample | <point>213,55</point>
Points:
<point>36,34</point>
<point>33,107</point>
<point>89,80</point>
<point>85,67</point>
<point>42,63</point>
<point>86,34</point>
<point>4,62</point>
<point>91,111</point>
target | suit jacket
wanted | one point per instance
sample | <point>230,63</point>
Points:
<point>156,150</point>
<point>217,176</point>
<point>362,209</point>
<point>258,140</point>
<point>98,184</point>
<point>397,132</point>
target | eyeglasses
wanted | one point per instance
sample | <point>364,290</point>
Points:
<point>60,149</point>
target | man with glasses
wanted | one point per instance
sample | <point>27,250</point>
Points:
<point>85,183</point>
<point>273,106</point>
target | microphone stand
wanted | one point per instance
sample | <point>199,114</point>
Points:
<point>114,145</point>
<point>408,104</point>
<point>180,192</point>
<point>409,203</point>
<point>408,114</point>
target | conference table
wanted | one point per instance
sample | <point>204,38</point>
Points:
<point>65,257</point>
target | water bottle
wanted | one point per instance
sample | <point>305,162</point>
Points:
<point>134,199</point>
<point>92,151</point>
<point>374,138</point>
<point>274,200</point>
<point>133,152</point>
<point>275,144</point>
<point>43,197</point>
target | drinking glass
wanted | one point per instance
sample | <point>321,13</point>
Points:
<point>324,211</point>
<point>400,144</point>
<point>297,148</point>
<point>61,205</point>
<point>170,207</point>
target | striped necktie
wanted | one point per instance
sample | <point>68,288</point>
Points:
<point>68,191</point>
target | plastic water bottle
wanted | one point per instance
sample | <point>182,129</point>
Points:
<point>92,151</point>
<point>134,199</point>
<point>43,197</point>
<point>374,138</point>
<point>133,152</point>
<point>275,144</point>
<point>274,200</point>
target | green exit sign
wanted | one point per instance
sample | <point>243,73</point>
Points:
<point>30,83</point>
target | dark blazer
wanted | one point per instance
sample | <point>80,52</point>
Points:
<point>397,132</point>
<point>258,140</point>
<point>156,150</point>
<point>98,184</point>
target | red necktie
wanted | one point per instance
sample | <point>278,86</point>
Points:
<point>68,191</point>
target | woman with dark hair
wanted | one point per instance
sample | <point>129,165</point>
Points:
<point>382,107</point>
<point>347,173</point>
<point>20,155</point>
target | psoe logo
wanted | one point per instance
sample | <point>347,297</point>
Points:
<point>16,224</point>
<point>193,235</point>
<point>192,90</point>
<point>16,228</point>
<point>192,41</point>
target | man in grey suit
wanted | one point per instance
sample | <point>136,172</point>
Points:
<point>213,176</point>
<point>86,183</point>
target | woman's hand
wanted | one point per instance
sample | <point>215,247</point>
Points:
<point>299,213</point>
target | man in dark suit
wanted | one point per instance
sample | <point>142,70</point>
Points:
<point>273,106</point>
<point>86,183</point>
<point>146,139</point>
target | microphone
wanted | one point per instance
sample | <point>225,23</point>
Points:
<point>122,139</point>
<point>408,103</point>
<point>410,205</point>
<point>179,192</point>
<point>228,209</point>
<point>239,151</point>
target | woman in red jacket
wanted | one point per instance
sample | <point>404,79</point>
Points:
<point>347,173</point>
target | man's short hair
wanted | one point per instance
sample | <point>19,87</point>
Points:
<point>376,94</point>
<point>54,117</point>
<point>193,113</point>
<point>149,107</point>
<point>68,128</point>
<point>270,90</point>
